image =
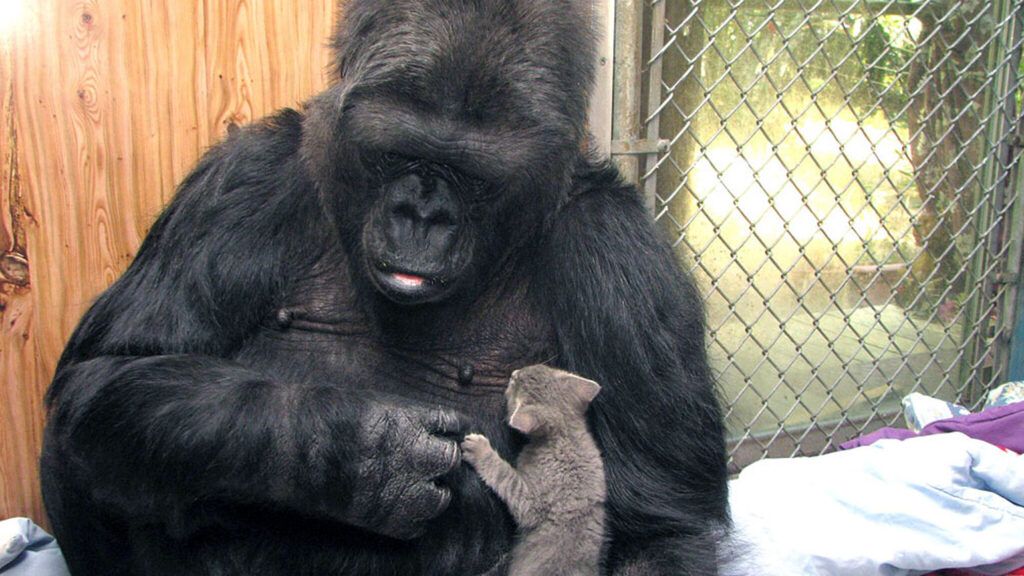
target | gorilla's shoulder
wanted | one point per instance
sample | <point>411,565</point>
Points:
<point>245,188</point>
<point>256,165</point>
<point>600,201</point>
<point>279,133</point>
<point>259,156</point>
<point>604,244</point>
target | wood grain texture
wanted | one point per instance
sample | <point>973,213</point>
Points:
<point>21,413</point>
<point>106,106</point>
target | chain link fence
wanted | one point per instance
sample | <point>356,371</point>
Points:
<point>841,176</point>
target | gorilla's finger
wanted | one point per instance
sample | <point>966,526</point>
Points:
<point>437,499</point>
<point>445,423</point>
<point>436,456</point>
<point>426,502</point>
<point>407,530</point>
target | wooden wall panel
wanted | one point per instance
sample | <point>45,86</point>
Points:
<point>21,414</point>
<point>106,107</point>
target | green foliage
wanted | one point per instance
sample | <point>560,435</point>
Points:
<point>884,51</point>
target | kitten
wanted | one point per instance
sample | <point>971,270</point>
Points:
<point>556,491</point>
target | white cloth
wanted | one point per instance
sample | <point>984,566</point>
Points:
<point>27,550</point>
<point>892,508</point>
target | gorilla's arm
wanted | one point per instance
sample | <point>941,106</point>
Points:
<point>629,317</point>
<point>148,411</point>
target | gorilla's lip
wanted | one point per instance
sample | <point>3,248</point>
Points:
<point>406,287</point>
<point>408,280</point>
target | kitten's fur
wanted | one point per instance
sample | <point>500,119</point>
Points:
<point>556,491</point>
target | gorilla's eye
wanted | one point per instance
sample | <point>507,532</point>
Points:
<point>390,165</point>
<point>476,189</point>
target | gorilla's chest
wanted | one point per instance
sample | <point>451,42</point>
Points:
<point>319,336</point>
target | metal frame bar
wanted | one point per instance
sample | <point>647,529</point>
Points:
<point>1013,306</point>
<point>1011,328</point>
<point>995,173</point>
<point>1015,371</point>
<point>654,96</point>
<point>601,101</point>
<point>629,24</point>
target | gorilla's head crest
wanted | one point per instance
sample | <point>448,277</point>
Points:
<point>520,68</point>
<point>482,100</point>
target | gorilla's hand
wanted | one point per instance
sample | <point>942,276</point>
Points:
<point>402,455</point>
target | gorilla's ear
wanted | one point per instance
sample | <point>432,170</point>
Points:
<point>524,420</point>
<point>583,389</point>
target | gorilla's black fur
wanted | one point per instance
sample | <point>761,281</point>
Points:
<point>335,296</point>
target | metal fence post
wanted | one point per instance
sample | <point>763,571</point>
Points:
<point>601,109</point>
<point>628,66</point>
<point>1000,111</point>
<point>1014,305</point>
<point>1013,300</point>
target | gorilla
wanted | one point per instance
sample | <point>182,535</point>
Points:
<point>336,295</point>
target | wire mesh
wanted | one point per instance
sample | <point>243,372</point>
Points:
<point>840,175</point>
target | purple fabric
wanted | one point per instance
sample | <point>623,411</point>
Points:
<point>1000,425</point>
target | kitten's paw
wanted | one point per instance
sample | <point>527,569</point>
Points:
<point>474,446</point>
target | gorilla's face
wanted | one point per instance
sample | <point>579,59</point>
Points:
<point>418,239</point>
<point>447,143</point>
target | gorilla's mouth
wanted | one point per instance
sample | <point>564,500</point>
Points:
<point>407,287</point>
<point>408,280</point>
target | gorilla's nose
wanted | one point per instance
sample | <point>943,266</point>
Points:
<point>421,204</point>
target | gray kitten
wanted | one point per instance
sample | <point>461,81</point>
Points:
<point>556,491</point>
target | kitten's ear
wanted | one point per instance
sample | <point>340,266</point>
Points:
<point>583,389</point>
<point>524,420</point>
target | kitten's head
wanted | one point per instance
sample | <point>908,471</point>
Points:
<point>542,399</point>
